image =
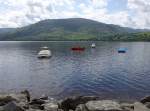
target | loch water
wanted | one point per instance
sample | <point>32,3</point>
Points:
<point>100,71</point>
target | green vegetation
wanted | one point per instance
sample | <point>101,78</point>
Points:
<point>141,36</point>
<point>73,29</point>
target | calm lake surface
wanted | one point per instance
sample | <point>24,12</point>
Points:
<point>100,71</point>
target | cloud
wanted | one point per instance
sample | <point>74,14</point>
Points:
<point>99,3</point>
<point>17,13</point>
<point>140,12</point>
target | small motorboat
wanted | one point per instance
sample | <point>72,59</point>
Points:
<point>93,45</point>
<point>77,48</point>
<point>122,50</point>
<point>44,53</point>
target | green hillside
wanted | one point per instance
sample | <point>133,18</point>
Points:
<point>142,36</point>
<point>73,29</point>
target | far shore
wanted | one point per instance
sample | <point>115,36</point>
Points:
<point>69,41</point>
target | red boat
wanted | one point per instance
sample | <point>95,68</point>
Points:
<point>78,48</point>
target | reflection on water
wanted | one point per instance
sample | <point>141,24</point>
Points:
<point>100,71</point>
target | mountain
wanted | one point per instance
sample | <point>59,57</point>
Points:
<point>68,29</point>
<point>6,30</point>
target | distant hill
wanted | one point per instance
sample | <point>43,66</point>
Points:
<point>6,30</point>
<point>70,29</point>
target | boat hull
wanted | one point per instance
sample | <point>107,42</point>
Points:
<point>78,49</point>
<point>42,57</point>
<point>44,54</point>
<point>121,51</point>
<point>93,45</point>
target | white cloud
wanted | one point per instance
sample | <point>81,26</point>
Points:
<point>140,12</point>
<point>17,13</point>
<point>22,12</point>
<point>99,3</point>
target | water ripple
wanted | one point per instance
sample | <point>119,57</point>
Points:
<point>100,71</point>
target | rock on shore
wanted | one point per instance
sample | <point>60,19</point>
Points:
<point>24,102</point>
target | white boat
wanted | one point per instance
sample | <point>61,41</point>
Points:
<point>44,53</point>
<point>93,45</point>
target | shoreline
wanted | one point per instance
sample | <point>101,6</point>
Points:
<point>23,101</point>
<point>69,41</point>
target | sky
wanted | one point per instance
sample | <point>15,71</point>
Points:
<point>126,13</point>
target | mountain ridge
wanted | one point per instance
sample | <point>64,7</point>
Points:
<point>67,29</point>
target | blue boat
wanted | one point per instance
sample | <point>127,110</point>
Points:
<point>122,50</point>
